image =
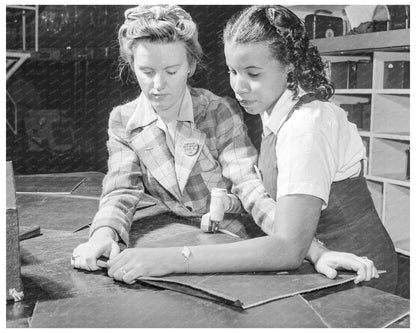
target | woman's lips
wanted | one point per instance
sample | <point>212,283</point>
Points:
<point>246,103</point>
<point>159,96</point>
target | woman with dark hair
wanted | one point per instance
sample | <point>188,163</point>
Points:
<point>178,143</point>
<point>311,157</point>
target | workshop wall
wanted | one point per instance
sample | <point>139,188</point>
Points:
<point>64,93</point>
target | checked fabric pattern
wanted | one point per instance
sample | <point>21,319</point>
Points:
<point>140,160</point>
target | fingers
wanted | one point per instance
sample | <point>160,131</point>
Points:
<point>78,257</point>
<point>121,269</point>
<point>91,262</point>
<point>79,261</point>
<point>362,265</point>
<point>115,264</point>
<point>126,275</point>
<point>85,255</point>
<point>365,269</point>
<point>328,271</point>
<point>124,267</point>
<point>332,260</point>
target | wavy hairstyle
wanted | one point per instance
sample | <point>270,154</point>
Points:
<point>288,43</point>
<point>158,24</point>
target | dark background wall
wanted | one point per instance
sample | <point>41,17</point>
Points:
<point>64,93</point>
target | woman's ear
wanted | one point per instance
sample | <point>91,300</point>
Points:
<point>192,68</point>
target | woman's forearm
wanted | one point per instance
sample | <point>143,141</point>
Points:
<point>266,253</point>
<point>283,250</point>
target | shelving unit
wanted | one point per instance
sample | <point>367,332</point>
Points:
<point>384,123</point>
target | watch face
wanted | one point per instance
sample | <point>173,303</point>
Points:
<point>329,33</point>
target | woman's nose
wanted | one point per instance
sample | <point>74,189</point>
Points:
<point>241,86</point>
<point>159,81</point>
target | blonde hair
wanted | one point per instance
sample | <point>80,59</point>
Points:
<point>158,24</point>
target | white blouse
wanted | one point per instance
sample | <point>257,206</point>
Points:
<point>315,147</point>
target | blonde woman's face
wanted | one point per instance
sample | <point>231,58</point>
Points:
<point>258,79</point>
<point>162,72</point>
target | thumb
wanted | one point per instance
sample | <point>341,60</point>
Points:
<point>115,250</point>
<point>327,271</point>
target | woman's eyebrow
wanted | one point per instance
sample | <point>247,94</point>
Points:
<point>253,67</point>
<point>167,67</point>
<point>171,66</point>
<point>145,67</point>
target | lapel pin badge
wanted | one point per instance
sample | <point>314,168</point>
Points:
<point>190,148</point>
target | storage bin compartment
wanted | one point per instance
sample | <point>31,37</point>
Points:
<point>359,114</point>
<point>396,75</point>
<point>389,158</point>
<point>391,114</point>
<point>352,74</point>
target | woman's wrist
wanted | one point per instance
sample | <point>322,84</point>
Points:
<point>105,232</point>
<point>315,251</point>
<point>180,260</point>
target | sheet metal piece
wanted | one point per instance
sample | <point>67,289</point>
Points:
<point>166,309</point>
<point>251,289</point>
<point>363,307</point>
<point>48,183</point>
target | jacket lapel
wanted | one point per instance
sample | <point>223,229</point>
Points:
<point>150,146</point>
<point>188,145</point>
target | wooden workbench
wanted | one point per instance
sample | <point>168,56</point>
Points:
<point>93,298</point>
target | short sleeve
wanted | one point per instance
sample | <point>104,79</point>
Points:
<point>307,158</point>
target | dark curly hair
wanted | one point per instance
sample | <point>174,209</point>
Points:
<point>285,33</point>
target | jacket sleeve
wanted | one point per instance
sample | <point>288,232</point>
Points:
<point>238,158</point>
<point>122,185</point>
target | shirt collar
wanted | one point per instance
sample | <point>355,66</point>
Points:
<point>273,121</point>
<point>144,114</point>
<point>186,111</point>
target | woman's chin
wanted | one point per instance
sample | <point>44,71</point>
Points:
<point>251,110</point>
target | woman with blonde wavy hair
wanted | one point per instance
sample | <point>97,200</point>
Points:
<point>178,142</point>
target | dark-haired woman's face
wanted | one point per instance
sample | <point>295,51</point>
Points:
<point>258,80</point>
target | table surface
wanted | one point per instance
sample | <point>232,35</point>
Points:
<point>48,276</point>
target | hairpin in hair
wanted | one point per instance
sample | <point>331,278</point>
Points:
<point>271,14</point>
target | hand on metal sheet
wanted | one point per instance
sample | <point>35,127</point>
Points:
<point>101,243</point>
<point>133,263</point>
<point>330,261</point>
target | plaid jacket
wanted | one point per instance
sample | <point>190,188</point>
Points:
<point>140,160</point>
